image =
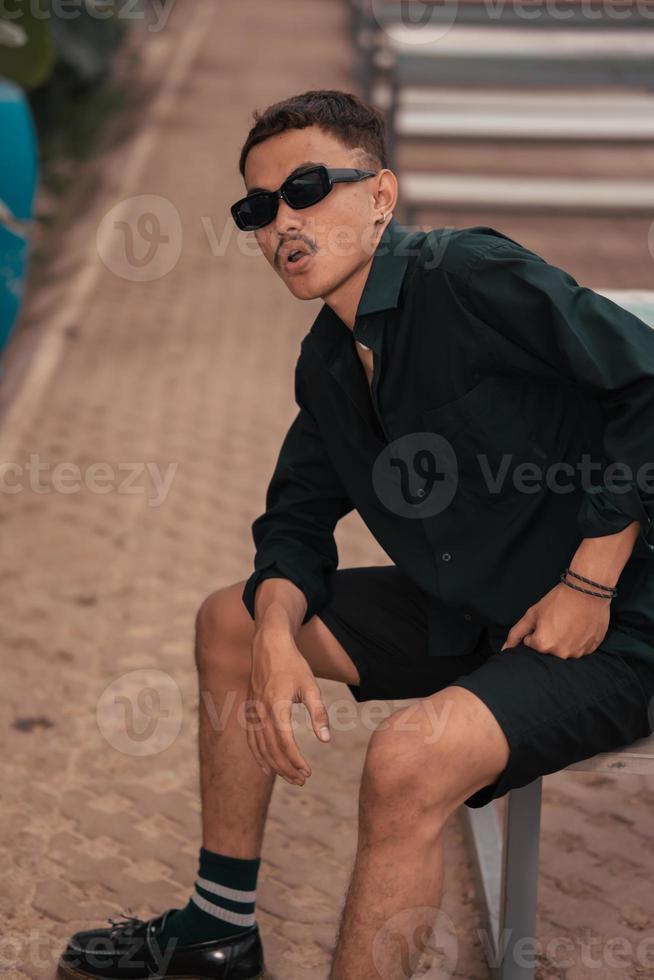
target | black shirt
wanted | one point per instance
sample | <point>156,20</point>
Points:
<point>489,363</point>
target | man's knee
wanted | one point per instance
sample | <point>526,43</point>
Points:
<point>223,626</point>
<point>431,755</point>
<point>398,753</point>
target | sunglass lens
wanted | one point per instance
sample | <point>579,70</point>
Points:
<point>307,189</point>
<point>255,212</point>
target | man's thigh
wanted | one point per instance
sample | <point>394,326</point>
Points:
<point>557,711</point>
<point>381,619</point>
<point>552,711</point>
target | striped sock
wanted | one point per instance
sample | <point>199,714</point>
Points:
<point>223,902</point>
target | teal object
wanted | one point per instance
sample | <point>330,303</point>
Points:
<point>18,179</point>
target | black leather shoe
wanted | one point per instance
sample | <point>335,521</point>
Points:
<point>129,950</point>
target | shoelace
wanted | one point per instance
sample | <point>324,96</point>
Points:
<point>130,924</point>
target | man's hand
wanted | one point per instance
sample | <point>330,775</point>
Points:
<point>281,677</point>
<point>569,623</point>
<point>564,622</point>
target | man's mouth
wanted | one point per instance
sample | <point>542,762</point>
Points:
<point>296,259</point>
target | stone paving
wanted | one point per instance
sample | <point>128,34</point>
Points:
<point>103,569</point>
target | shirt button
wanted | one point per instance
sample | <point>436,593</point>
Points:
<point>446,556</point>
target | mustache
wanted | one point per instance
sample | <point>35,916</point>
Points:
<point>298,238</point>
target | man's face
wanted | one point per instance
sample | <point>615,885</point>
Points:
<point>336,232</point>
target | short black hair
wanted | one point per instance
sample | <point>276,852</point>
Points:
<point>353,121</point>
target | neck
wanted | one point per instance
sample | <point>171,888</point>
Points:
<point>344,300</point>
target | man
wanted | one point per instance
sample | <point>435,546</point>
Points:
<point>457,390</point>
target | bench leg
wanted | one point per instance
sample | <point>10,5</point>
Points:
<point>506,869</point>
<point>519,900</point>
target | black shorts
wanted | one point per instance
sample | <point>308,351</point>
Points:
<point>553,711</point>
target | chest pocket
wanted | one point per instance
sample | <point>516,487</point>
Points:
<point>497,426</point>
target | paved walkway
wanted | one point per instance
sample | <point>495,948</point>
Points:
<point>104,567</point>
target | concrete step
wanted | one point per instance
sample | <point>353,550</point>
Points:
<point>461,40</point>
<point>507,114</point>
<point>469,56</point>
<point>565,13</point>
<point>526,193</point>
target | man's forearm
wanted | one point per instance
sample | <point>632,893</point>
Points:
<point>603,558</point>
<point>279,605</point>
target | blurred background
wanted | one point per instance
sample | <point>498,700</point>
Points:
<point>146,367</point>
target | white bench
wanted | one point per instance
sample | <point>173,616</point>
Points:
<point>506,858</point>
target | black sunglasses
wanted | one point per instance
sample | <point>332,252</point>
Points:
<point>300,190</point>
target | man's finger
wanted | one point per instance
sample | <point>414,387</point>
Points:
<point>317,712</point>
<point>258,732</point>
<point>288,748</point>
<point>518,631</point>
<point>260,740</point>
<point>252,726</point>
<point>286,739</point>
<point>251,735</point>
<point>276,732</point>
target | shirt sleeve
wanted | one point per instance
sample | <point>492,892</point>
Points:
<point>305,499</point>
<point>594,342</point>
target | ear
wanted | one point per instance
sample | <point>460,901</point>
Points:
<point>387,191</point>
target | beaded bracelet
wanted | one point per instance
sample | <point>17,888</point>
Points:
<point>589,581</point>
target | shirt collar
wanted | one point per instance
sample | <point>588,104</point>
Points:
<point>381,292</point>
<point>386,274</point>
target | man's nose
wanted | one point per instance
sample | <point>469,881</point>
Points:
<point>287,218</point>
